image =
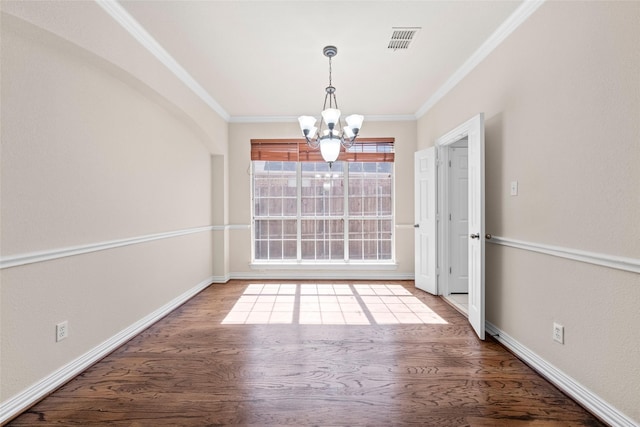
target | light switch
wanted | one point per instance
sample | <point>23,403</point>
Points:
<point>514,188</point>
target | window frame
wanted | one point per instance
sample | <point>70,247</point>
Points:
<point>287,153</point>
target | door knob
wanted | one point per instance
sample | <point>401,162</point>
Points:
<point>475,236</point>
<point>416,225</point>
<point>488,236</point>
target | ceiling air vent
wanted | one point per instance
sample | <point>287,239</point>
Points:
<point>401,37</point>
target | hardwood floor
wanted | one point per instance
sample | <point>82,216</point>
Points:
<point>427,368</point>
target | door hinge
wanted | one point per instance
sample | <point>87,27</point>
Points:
<point>449,270</point>
<point>449,217</point>
<point>449,163</point>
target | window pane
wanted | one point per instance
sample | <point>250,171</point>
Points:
<point>308,206</point>
<point>289,229</point>
<point>370,239</point>
<point>337,249</point>
<point>336,206</point>
<point>320,237</point>
<point>261,249</point>
<point>355,249</point>
<point>290,207</point>
<point>322,249</point>
<point>322,210</point>
<point>275,207</point>
<point>308,249</point>
<point>370,187</point>
<point>369,249</point>
<point>322,189</point>
<point>275,249</point>
<point>385,249</point>
<point>290,249</point>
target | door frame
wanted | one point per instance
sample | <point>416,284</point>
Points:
<point>443,144</point>
<point>444,229</point>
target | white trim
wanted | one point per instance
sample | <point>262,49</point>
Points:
<point>21,401</point>
<point>320,275</point>
<point>611,261</point>
<point>310,265</point>
<point>564,382</point>
<point>231,227</point>
<point>239,227</point>
<point>128,22</point>
<point>294,119</point>
<point>220,279</point>
<point>33,257</point>
<point>404,226</point>
<point>499,35</point>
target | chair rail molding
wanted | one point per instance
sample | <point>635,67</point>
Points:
<point>33,257</point>
<point>605,260</point>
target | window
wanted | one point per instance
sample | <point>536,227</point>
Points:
<point>304,211</point>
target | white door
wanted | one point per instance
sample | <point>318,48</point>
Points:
<point>476,224</point>
<point>458,221</point>
<point>425,220</point>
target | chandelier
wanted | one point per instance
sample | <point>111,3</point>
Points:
<point>330,139</point>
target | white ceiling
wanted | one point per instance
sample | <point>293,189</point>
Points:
<point>264,58</point>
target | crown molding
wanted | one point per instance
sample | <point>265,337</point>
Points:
<point>128,22</point>
<point>294,119</point>
<point>499,35</point>
<point>137,31</point>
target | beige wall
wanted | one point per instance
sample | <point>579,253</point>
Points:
<point>240,135</point>
<point>561,98</point>
<point>90,155</point>
<point>110,44</point>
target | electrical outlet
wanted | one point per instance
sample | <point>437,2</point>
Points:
<point>62,330</point>
<point>558,333</point>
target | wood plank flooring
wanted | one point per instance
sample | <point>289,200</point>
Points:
<point>190,369</point>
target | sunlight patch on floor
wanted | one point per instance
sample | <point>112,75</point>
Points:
<point>330,304</point>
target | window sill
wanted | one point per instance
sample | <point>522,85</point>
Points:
<point>311,265</point>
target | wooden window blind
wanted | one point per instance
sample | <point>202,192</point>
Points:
<point>297,150</point>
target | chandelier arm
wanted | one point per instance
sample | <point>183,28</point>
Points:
<point>348,142</point>
<point>327,95</point>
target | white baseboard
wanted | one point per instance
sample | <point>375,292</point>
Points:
<point>291,275</point>
<point>568,385</point>
<point>320,275</point>
<point>220,279</point>
<point>23,400</point>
